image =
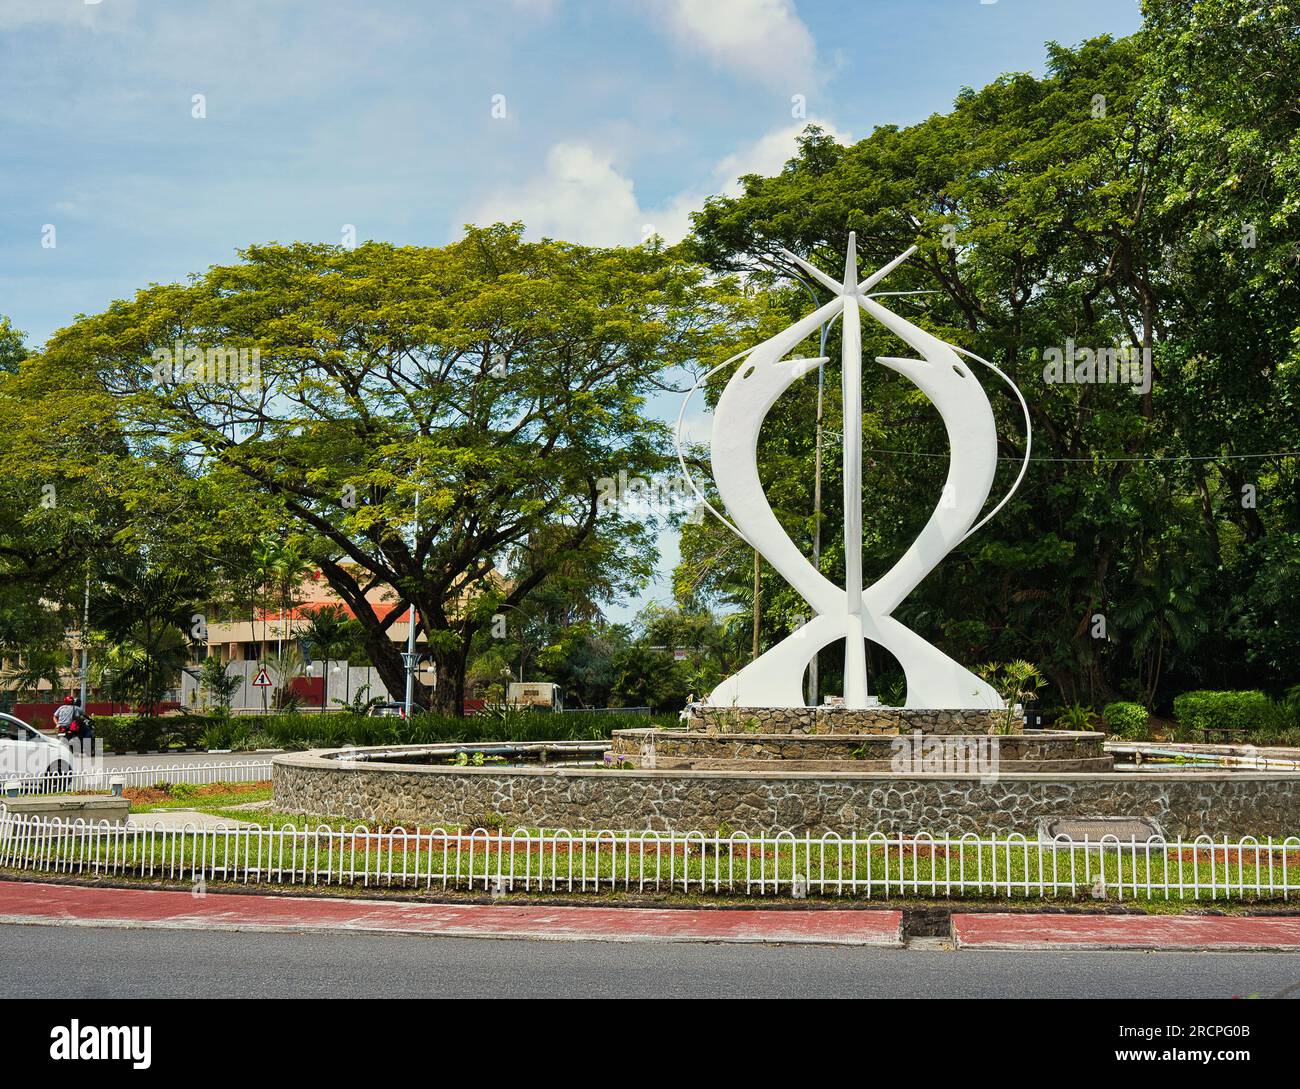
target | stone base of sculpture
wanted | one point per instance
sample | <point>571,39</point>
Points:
<point>1039,752</point>
<point>844,720</point>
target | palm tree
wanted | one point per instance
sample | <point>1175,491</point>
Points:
<point>279,567</point>
<point>288,664</point>
<point>263,554</point>
<point>287,571</point>
<point>145,614</point>
<point>36,664</point>
<point>219,685</point>
<point>140,666</point>
<point>1159,616</point>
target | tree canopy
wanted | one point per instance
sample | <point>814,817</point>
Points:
<point>437,421</point>
<point>444,425</point>
<point>1144,193</point>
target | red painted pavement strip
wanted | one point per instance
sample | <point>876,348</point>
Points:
<point>1007,930</point>
<point>79,905</point>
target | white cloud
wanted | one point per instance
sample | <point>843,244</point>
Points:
<point>582,195</point>
<point>579,197</point>
<point>20,13</point>
<point>762,39</point>
<point>769,153</point>
<point>76,205</point>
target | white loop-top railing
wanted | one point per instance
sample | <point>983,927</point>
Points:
<point>874,865</point>
<point>100,777</point>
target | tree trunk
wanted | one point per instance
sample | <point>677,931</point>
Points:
<point>448,695</point>
<point>387,660</point>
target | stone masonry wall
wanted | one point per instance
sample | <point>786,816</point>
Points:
<point>724,746</point>
<point>1232,804</point>
<point>841,720</point>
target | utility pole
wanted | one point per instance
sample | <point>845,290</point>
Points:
<point>85,643</point>
<point>817,505</point>
<point>757,604</point>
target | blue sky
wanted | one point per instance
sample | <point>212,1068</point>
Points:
<point>617,117</point>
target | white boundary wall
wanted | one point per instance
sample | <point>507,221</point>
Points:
<point>344,683</point>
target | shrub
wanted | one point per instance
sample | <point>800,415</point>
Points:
<point>1289,709</point>
<point>131,733</point>
<point>113,732</point>
<point>1017,682</point>
<point>138,733</point>
<point>1127,720</point>
<point>184,731</point>
<point>1076,717</point>
<point>217,734</point>
<point>1250,710</point>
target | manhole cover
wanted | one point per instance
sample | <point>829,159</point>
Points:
<point>1125,829</point>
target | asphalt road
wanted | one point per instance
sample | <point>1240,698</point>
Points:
<point>78,962</point>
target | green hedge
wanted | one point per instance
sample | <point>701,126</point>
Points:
<point>1252,711</point>
<point>136,733</point>
<point>131,733</point>
<point>1127,720</point>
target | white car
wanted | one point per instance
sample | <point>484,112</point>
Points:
<point>26,753</point>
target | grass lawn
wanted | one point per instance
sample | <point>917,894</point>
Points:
<point>344,854</point>
<point>208,798</point>
<point>338,855</point>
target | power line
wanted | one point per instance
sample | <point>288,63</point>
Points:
<point>1177,457</point>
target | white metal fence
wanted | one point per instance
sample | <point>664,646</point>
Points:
<point>872,866</point>
<point>100,777</point>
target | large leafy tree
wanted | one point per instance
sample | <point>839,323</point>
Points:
<point>495,382</point>
<point>1102,202</point>
<point>1225,72</point>
<point>56,518</point>
<point>13,346</point>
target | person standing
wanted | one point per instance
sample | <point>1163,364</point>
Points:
<point>71,719</point>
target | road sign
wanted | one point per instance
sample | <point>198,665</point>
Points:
<point>262,680</point>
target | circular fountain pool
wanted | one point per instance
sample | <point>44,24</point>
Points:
<point>767,783</point>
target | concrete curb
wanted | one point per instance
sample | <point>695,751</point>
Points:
<point>65,905</point>
<point>1151,933</point>
<point>446,932</point>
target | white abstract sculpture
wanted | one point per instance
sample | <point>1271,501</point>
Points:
<point>853,612</point>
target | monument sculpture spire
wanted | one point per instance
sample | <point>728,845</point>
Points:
<point>855,612</point>
<point>855,647</point>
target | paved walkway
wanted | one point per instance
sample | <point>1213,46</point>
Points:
<point>1165,932</point>
<point>73,905</point>
<point>77,905</point>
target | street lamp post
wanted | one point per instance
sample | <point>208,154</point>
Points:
<point>409,656</point>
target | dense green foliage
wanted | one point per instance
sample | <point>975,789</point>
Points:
<point>494,382</point>
<point>1126,720</point>
<point>1146,192</point>
<point>1143,192</point>
<point>1251,711</point>
<point>132,733</point>
<point>141,733</point>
